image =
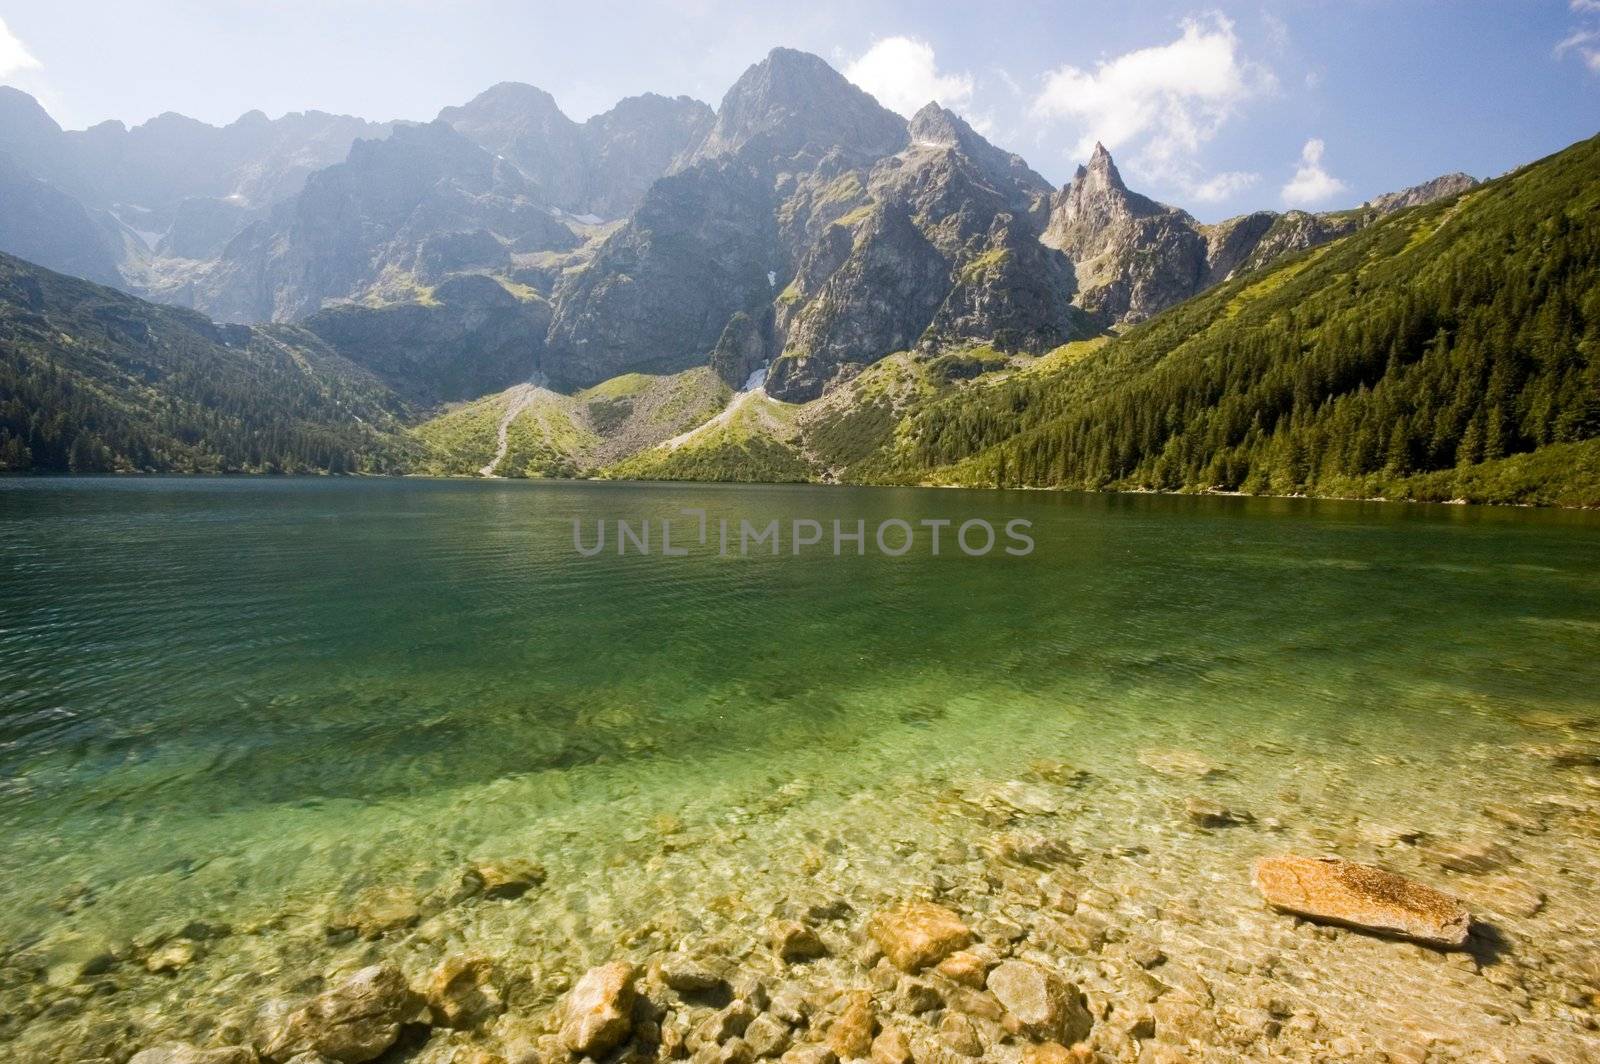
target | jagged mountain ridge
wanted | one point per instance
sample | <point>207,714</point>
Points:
<point>148,170</point>
<point>599,167</point>
<point>800,226</point>
<point>885,235</point>
<point>409,211</point>
<point>832,224</point>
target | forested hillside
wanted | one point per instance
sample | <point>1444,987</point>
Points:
<point>94,381</point>
<point>1408,359</point>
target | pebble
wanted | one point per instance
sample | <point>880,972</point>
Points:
<point>891,1047</point>
<point>965,967</point>
<point>173,957</point>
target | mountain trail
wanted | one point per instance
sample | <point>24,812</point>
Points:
<point>521,396</point>
<point>755,388</point>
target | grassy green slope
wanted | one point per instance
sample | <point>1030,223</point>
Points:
<point>1394,362</point>
<point>92,380</point>
<point>754,440</point>
<point>569,435</point>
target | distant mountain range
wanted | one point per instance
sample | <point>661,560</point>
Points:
<point>822,229</point>
<point>640,269</point>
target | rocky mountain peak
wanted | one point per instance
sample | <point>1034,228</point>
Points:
<point>1101,175</point>
<point>26,129</point>
<point>1439,188</point>
<point>510,105</point>
<point>938,127</point>
<point>793,103</point>
<point>1095,200</point>
<point>522,123</point>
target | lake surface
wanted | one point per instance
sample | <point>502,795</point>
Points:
<point>248,701</point>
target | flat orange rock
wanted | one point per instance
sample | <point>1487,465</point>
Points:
<point>1360,896</point>
<point>919,934</point>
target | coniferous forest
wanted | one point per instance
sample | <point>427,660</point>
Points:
<point>94,381</point>
<point>1445,337</point>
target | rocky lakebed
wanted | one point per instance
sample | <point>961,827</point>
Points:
<point>1173,907</point>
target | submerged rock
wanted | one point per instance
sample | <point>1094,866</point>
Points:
<point>958,1032</point>
<point>352,1023</point>
<point>891,1047</point>
<point>688,974</point>
<point>511,878</point>
<point>1205,813</point>
<point>919,934</point>
<point>1018,797</point>
<point>767,1036</point>
<point>727,1023</point>
<point>1362,897</point>
<point>965,967</point>
<point>186,1054</point>
<point>378,912</point>
<point>1179,764</point>
<point>794,941</point>
<point>599,1010</point>
<point>1043,1005</point>
<point>1031,848</point>
<point>851,1034</point>
<point>810,1054</point>
<point>173,957</point>
<point>461,992</point>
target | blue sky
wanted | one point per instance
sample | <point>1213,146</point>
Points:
<point>1219,108</point>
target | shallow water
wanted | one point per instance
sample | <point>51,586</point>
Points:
<point>246,701</point>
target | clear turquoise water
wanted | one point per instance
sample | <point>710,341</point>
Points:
<point>236,698</point>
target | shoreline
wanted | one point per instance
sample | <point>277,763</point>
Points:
<point>470,477</point>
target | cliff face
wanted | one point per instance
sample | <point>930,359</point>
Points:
<point>721,235</point>
<point>792,109</point>
<point>474,337</point>
<point>392,213</point>
<point>600,167</point>
<point>943,249</point>
<point>660,291</point>
<point>1135,257</point>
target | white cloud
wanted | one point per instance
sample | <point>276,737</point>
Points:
<point>903,74</point>
<point>1577,39</point>
<point>1311,184</point>
<point>1223,186</point>
<point>1162,103</point>
<point>1585,42</point>
<point>14,55</point>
